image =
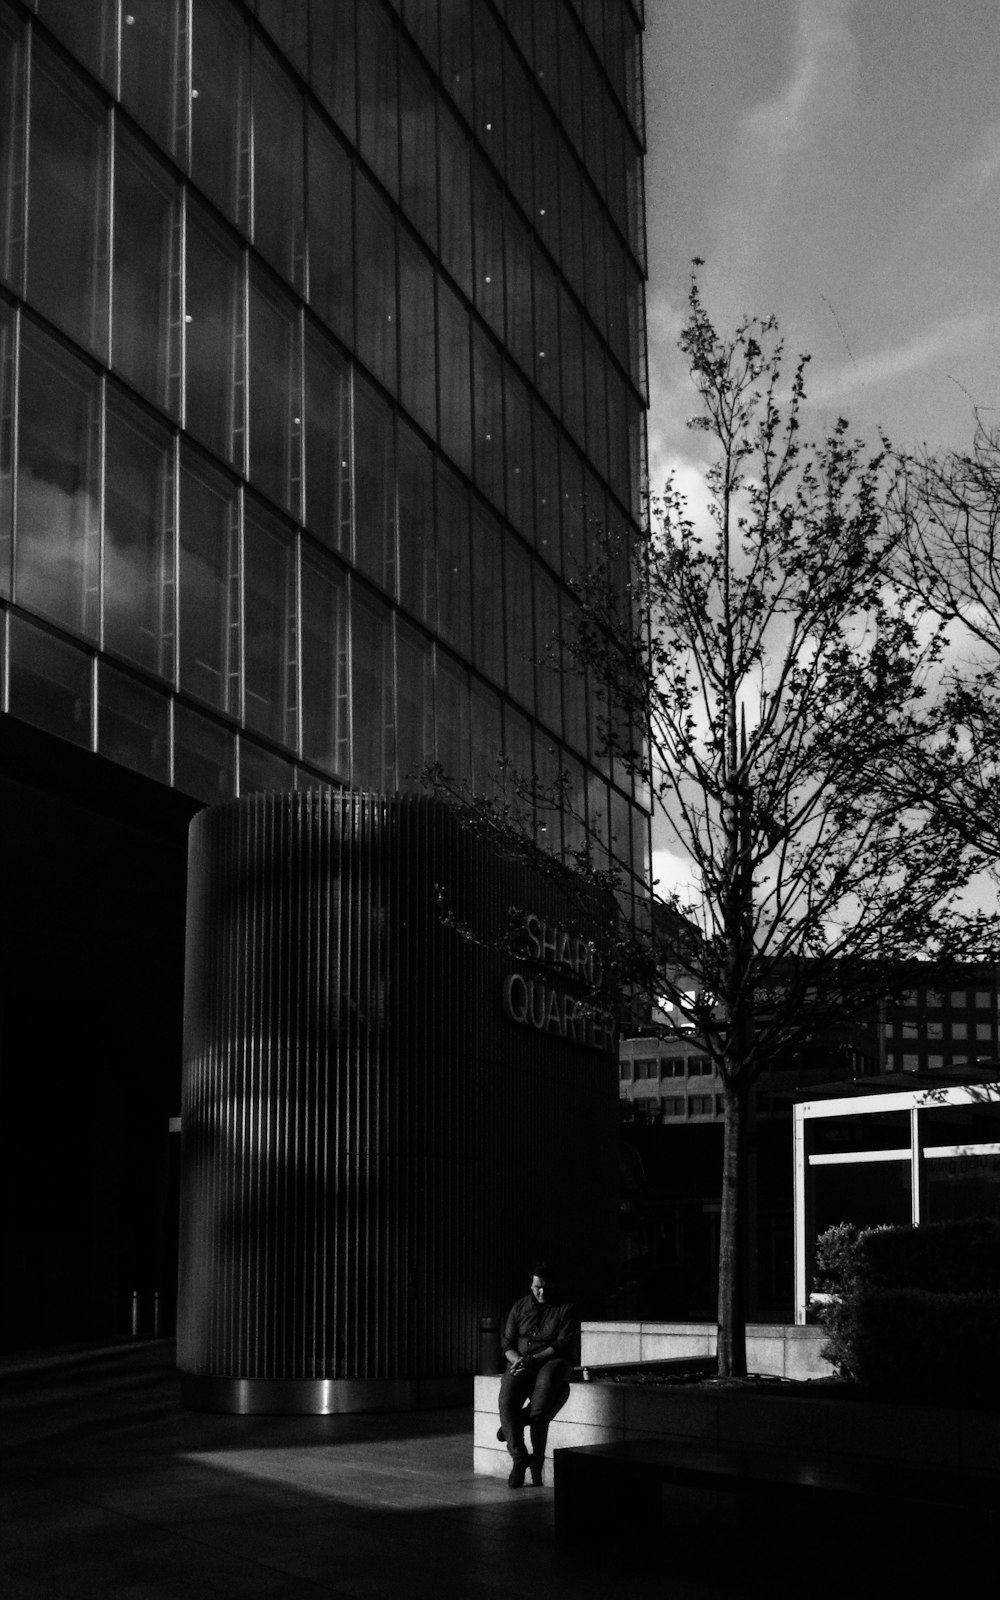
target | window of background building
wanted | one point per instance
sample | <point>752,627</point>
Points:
<point>67,203</point>
<point>209,586</point>
<point>454,379</point>
<point>378,92</point>
<point>333,62</point>
<point>455,201</point>
<point>153,71</point>
<point>520,485</point>
<point>6,445</point>
<point>49,683</point>
<point>146,275</point>
<point>487,400</point>
<point>414,706</point>
<point>548,637</point>
<point>139,583</point>
<point>488,594</point>
<point>518,291</point>
<point>261,770</point>
<point>418,188</point>
<point>325,679</point>
<point>417,335</point>
<point>454,582</point>
<point>278,167</point>
<point>548,498</point>
<point>520,624</point>
<point>214,338</point>
<point>451,718</point>
<point>327,441</point>
<point>220,83</point>
<point>330,233</point>
<point>375,246</point>
<point>57,517</point>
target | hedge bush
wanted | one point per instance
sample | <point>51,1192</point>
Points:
<point>914,1310</point>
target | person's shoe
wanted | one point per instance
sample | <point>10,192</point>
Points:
<point>535,1468</point>
<point>515,1479</point>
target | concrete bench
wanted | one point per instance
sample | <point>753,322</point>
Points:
<point>610,1490</point>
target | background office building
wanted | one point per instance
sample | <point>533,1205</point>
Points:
<point>321,356</point>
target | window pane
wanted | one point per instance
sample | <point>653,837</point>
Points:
<point>548,522</point>
<point>204,756</point>
<point>378,95</point>
<point>87,30</point>
<point>487,739</point>
<point>455,378</point>
<point>278,199</point>
<point>546,331</point>
<point>146,275</point>
<point>520,629</point>
<point>548,644</point>
<point>371,694</point>
<point>374,487</point>
<point>520,474</point>
<point>56,541</point>
<point>417,580</point>
<point>453,567</point>
<point>11,152</point>
<point>487,577</point>
<point>270,695</point>
<point>219,123</point>
<point>376,267</point>
<point>209,588</point>
<point>414,723</point>
<point>488,242</point>
<point>455,200</point>
<point>275,408</point>
<point>261,771</point>
<point>327,443</point>
<point>325,706</point>
<point>49,683</point>
<point>138,539</point>
<point>287,21</point>
<point>487,368</point>
<point>332,74</point>
<point>418,153</point>
<point>452,719</point>
<point>418,346</point>
<point>67,205</point>
<point>133,724</point>
<point>331,274</point>
<point>153,70</point>
<point>6,445</point>
<point>215,339</point>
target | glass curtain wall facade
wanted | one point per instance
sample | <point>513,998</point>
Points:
<point>322,352</point>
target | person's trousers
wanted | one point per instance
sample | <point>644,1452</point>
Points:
<point>547,1389</point>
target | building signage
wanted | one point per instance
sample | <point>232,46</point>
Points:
<point>540,1000</point>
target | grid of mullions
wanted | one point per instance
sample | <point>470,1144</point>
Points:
<point>150,273</point>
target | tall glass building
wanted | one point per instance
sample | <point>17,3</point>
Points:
<point>322,352</point>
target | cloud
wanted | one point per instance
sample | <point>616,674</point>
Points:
<point>945,340</point>
<point>822,87</point>
<point>975,174</point>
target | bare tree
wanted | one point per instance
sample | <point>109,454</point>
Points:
<point>763,678</point>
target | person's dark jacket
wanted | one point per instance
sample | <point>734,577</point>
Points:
<point>530,1327</point>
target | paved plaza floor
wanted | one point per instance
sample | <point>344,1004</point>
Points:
<point>109,1489</point>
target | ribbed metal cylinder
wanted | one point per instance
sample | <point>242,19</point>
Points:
<point>375,1139</point>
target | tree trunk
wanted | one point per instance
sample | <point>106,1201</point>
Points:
<point>732,1336</point>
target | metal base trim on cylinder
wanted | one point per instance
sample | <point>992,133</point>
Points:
<point>320,1397</point>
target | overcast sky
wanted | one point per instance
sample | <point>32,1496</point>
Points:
<point>836,162</point>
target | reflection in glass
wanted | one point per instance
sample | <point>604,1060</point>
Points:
<point>327,438</point>
<point>49,683</point>
<point>325,702</point>
<point>371,694</point>
<point>133,724</point>
<point>331,273</point>
<point>145,299</point>
<point>269,627</point>
<point>57,521</point>
<point>153,71</point>
<point>209,587</point>
<point>414,702</point>
<point>219,106</point>
<point>417,344</point>
<point>275,404</point>
<point>204,756</point>
<point>278,200</point>
<point>67,204</point>
<point>214,340</point>
<point>374,487</point>
<point>417,564</point>
<point>139,585</point>
<point>376,268</point>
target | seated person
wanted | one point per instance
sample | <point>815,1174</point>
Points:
<point>538,1342</point>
